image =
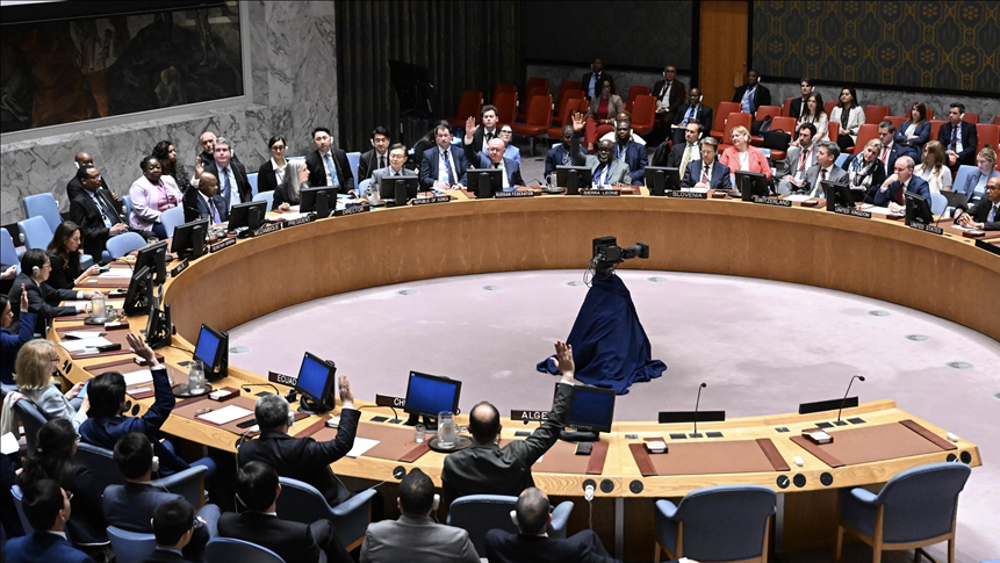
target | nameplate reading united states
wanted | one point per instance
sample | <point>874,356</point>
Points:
<point>516,193</point>
<point>852,212</point>
<point>529,416</point>
<point>179,268</point>
<point>429,200</point>
<point>224,243</point>
<point>772,201</point>
<point>927,228</point>
<point>687,195</point>
<point>265,229</point>
<point>601,193</point>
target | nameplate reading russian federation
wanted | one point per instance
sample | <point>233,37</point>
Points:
<point>529,416</point>
<point>515,193</point>
<point>352,210</point>
<point>224,243</point>
<point>601,193</point>
<point>179,268</point>
<point>266,229</point>
<point>300,221</point>
<point>927,228</point>
<point>281,379</point>
<point>772,201</point>
<point>429,200</point>
<point>852,212</point>
<point>390,401</point>
<point>687,195</point>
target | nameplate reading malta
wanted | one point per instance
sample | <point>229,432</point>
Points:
<point>266,229</point>
<point>927,228</point>
<point>601,193</point>
<point>529,416</point>
<point>515,193</point>
<point>852,212</point>
<point>224,243</point>
<point>429,200</point>
<point>772,201</point>
<point>179,268</point>
<point>687,195</point>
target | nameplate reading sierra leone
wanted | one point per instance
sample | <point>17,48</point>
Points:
<point>687,195</point>
<point>179,268</point>
<point>772,201</point>
<point>852,212</point>
<point>429,200</point>
<point>265,229</point>
<point>224,243</point>
<point>927,228</point>
<point>601,193</point>
<point>300,221</point>
<point>352,210</point>
<point>529,416</point>
<point>515,193</point>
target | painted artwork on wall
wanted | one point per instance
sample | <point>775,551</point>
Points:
<point>58,72</point>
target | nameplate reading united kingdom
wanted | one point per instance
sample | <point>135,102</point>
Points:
<point>601,193</point>
<point>224,243</point>
<point>927,228</point>
<point>352,210</point>
<point>266,229</point>
<point>429,200</point>
<point>515,193</point>
<point>300,221</point>
<point>179,268</point>
<point>687,195</point>
<point>772,201</point>
<point>529,416</point>
<point>852,212</point>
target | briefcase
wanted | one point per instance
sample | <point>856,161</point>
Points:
<point>776,140</point>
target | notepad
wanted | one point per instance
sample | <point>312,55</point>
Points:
<point>73,346</point>
<point>138,377</point>
<point>8,444</point>
<point>116,273</point>
<point>797,198</point>
<point>226,415</point>
<point>81,334</point>
<point>361,445</point>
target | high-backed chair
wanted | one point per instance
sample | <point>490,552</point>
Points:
<point>633,94</point>
<point>841,159</point>
<point>733,121</point>
<point>469,105</point>
<point>833,131</point>
<point>988,134</point>
<point>18,496</point>
<point>131,547</point>
<point>267,196</point>
<point>930,113</point>
<point>127,207</point>
<point>787,125</point>
<point>721,113</point>
<point>252,178</point>
<point>227,550</point>
<point>120,245</point>
<point>764,111</point>
<point>301,502</point>
<point>565,117</point>
<point>31,418</point>
<point>962,175</point>
<point>506,103</point>
<point>938,204</point>
<point>533,92</point>
<point>935,126</point>
<point>479,514</point>
<point>354,160</point>
<point>567,100</point>
<point>8,251</point>
<point>538,121</point>
<point>828,106</point>
<point>916,508</point>
<point>43,205</point>
<point>896,120</point>
<point>503,89</point>
<point>171,218</point>
<point>786,108</point>
<point>189,483</point>
<point>100,462</point>
<point>875,114</point>
<point>36,231</point>
<point>866,132</point>
<point>696,527</point>
<point>644,114</point>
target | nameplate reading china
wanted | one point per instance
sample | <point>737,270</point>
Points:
<point>300,221</point>
<point>772,201</point>
<point>927,228</point>
<point>687,195</point>
<point>529,416</point>
<point>852,212</point>
<point>429,200</point>
<point>515,193</point>
<point>225,243</point>
<point>390,401</point>
<point>179,268</point>
<point>266,229</point>
<point>352,210</point>
<point>281,379</point>
<point>600,193</point>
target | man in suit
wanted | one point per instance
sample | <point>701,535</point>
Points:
<point>414,537</point>
<point>890,194</point>
<point>560,155</point>
<point>492,158</point>
<point>889,153</point>
<point>376,158</point>
<point>605,169</point>
<point>796,105</point>
<point>43,300</point>
<point>234,185</point>
<point>204,201</point>
<point>707,173</point>
<point>484,467</point>
<point>75,188</point>
<point>694,109</point>
<point>825,169</point>
<point>959,138</point>
<point>327,165</point>
<point>798,160</point>
<point>257,489</point>
<point>985,215</point>
<point>670,94</point>
<point>483,135</point>
<point>443,167</point>
<point>591,82</point>
<point>752,95</point>
<point>94,211</point>
<point>131,506</point>
<point>174,526</point>
<point>397,167</point>
<point>302,458</point>
<point>207,154</point>
<point>532,517</point>
<point>46,507</point>
<point>632,154</point>
<point>682,153</point>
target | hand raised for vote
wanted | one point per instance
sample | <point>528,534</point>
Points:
<point>564,360</point>
<point>24,299</point>
<point>578,121</point>
<point>346,397</point>
<point>141,349</point>
<point>199,167</point>
<point>10,273</point>
<point>470,127</point>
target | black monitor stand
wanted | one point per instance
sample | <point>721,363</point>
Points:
<point>309,406</point>
<point>570,436</point>
<point>322,204</point>
<point>429,422</point>
<point>572,182</point>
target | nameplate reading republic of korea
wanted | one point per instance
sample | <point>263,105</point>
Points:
<point>390,401</point>
<point>515,193</point>
<point>601,193</point>
<point>281,379</point>
<point>927,228</point>
<point>266,229</point>
<point>772,201</point>
<point>429,200</point>
<point>529,416</point>
<point>852,212</point>
<point>300,221</point>
<point>352,210</point>
<point>687,195</point>
<point>225,243</point>
<point>179,268</point>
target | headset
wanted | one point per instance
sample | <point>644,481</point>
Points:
<point>155,466</point>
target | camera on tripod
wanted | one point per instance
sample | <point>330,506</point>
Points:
<point>607,254</point>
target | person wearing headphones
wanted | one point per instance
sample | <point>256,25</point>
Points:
<point>414,537</point>
<point>43,300</point>
<point>131,506</point>
<point>257,491</point>
<point>174,527</point>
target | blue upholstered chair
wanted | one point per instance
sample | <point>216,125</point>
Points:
<point>958,182</point>
<point>171,218</point>
<point>479,514</point>
<point>127,206</point>
<point>301,502</point>
<point>189,483</point>
<point>916,508</point>
<point>31,418</point>
<point>131,547</point>
<point>17,495</point>
<point>227,550</point>
<point>36,231</point>
<point>354,160</point>
<point>252,178</point>
<point>100,462</point>
<point>8,251</point>
<point>43,205</point>
<point>122,244</point>
<point>267,196</point>
<point>842,159</point>
<point>739,513</point>
<point>938,204</point>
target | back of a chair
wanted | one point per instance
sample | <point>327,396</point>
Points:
<point>962,176</point>
<point>36,231</point>
<point>31,418</point>
<point>267,196</point>
<point>171,218</point>
<point>567,99</point>
<point>930,113</point>
<point>987,134</point>
<point>127,207</point>
<point>538,82</point>
<point>17,495</point>
<point>506,103</point>
<point>469,104</point>
<point>841,159</point>
<point>828,106</point>
<point>866,133</point>
<point>896,121</point>
<point>252,178</point>
<point>935,127</point>
<point>733,121</point>
<point>189,483</point>
<point>124,243</point>
<point>301,502</point>
<point>131,547</point>
<point>633,94</point>
<point>784,123</point>
<point>833,131</point>
<point>568,85</point>
<point>354,160</point>
<point>503,89</point>
<point>8,250</point>
<point>479,514</point>
<point>644,114</point>
<point>43,205</point>
<point>786,108</point>
<point>920,503</point>
<point>227,550</point>
<point>737,512</point>
<point>101,463</point>
<point>875,114</point>
<point>765,111</point>
<point>724,109</point>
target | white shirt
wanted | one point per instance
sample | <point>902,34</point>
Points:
<point>486,142</point>
<point>279,171</point>
<point>664,101</point>
<point>234,190</point>
<point>209,204</point>
<point>444,166</point>
<point>744,160</point>
<point>958,138</point>
<point>503,173</point>
<point>819,178</point>
<point>326,167</point>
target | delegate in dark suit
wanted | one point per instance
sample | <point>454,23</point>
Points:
<point>489,469</point>
<point>761,97</point>
<point>967,133</point>
<point>370,163</point>
<point>795,108</point>
<point>811,180</point>
<point>602,76</point>
<point>317,170</point>
<point>557,157</point>
<point>421,540</point>
<point>582,547</point>
<point>196,206</point>
<point>429,165</point>
<point>481,160</point>
<point>294,542</point>
<point>75,187</point>
<point>720,176</point>
<point>130,507</point>
<point>266,182</point>
<point>166,556</point>
<point>306,459</point>
<point>912,148</point>
<point>678,93</point>
<point>242,182</point>
<point>701,112</point>
<point>981,214</point>
<point>637,158</point>
<point>83,211</point>
<point>42,300</point>
<point>916,185</point>
<point>42,546</point>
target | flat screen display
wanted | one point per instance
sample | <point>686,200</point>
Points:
<point>430,394</point>
<point>207,348</point>
<point>593,409</point>
<point>313,377</point>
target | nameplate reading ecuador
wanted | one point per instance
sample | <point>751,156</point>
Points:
<point>281,379</point>
<point>601,193</point>
<point>772,201</point>
<point>529,416</point>
<point>300,221</point>
<point>390,401</point>
<point>179,268</point>
<point>224,243</point>
<point>266,229</point>
<point>853,212</point>
<point>515,193</point>
<point>927,228</point>
<point>429,200</point>
<point>352,210</point>
<point>687,195</point>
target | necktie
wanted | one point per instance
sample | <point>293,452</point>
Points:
<point>333,171</point>
<point>803,160</point>
<point>705,178</point>
<point>954,137</point>
<point>567,160</point>
<point>747,105</point>
<point>823,174</point>
<point>215,211</point>
<point>447,162</point>
<point>381,162</point>
<point>687,157</point>
<point>225,186</point>
<point>105,214</point>
<point>885,155</point>
<point>690,113</point>
<point>993,214</point>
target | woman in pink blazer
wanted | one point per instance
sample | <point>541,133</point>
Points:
<point>742,156</point>
<point>151,195</point>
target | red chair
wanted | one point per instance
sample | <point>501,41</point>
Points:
<point>633,93</point>
<point>828,107</point>
<point>988,135</point>
<point>569,85</point>
<point>875,114</point>
<point>533,92</point>
<point>536,82</point>
<point>565,116</point>
<point>786,109</point>
<point>566,99</point>
<point>996,121</point>
<point>503,89</point>
<point>539,119</point>
<point>643,114</point>
<point>762,113</point>
<point>895,119</point>
<point>866,132</point>
<point>584,107</point>
<point>971,118</point>
<point>786,124</point>
<point>833,131</point>
<point>721,113</point>
<point>732,122</point>
<point>506,103</point>
<point>469,105</point>
<point>930,114</point>
<point>935,127</point>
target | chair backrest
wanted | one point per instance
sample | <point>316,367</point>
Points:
<point>920,503</point>
<point>100,462</point>
<point>786,108</point>
<point>267,196</point>
<point>833,130</point>
<point>733,121</point>
<point>506,103</point>
<point>584,106</point>
<point>644,112</point>
<point>569,85</point>
<point>784,123</point>
<point>726,108</point>
<point>31,418</point>
<point>962,175</point>
<point>737,512</point>
<point>566,114</point>
<point>540,111</point>
<point>227,550</point>
<point>938,204</point>
<point>935,127</point>
<point>354,160</point>
<point>930,113</point>
<point>131,547</point>
<point>875,114</point>
<point>8,251</point>
<point>36,231</point>
<point>841,159</point>
<point>566,98</point>
<point>866,133</point>
<point>996,120</point>
<point>127,205</point>
<point>252,178</point>
<point>301,502</point>
<point>896,120</point>
<point>828,106</point>
<point>538,82</point>
<point>479,514</point>
<point>43,205</point>
<point>765,111</point>
<point>633,93</point>
<point>503,89</point>
<point>988,134</point>
<point>469,104</point>
<point>124,243</point>
<point>171,218</point>
<point>15,492</point>
<point>189,483</point>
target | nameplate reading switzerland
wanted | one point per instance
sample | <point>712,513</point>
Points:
<point>601,193</point>
<point>852,212</point>
<point>687,195</point>
<point>516,193</point>
<point>772,201</point>
<point>927,228</point>
<point>529,416</point>
<point>179,268</point>
<point>429,200</point>
<point>266,229</point>
<point>224,243</point>
<point>352,210</point>
<point>300,221</point>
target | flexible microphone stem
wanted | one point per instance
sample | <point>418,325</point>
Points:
<point>844,401</point>
<point>696,403</point>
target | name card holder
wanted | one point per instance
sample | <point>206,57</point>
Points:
<point>513,194</point>
<point>266,229</point>
<point>430,200</point>
<point>224,243</point>
<point>600,193</point>
<point>852,212</point>
<point>300,221</point>
<point>927,228</point>
<point>180,267</point>
<point>772,201</point>
<point>687,195</point>
<point>529,416</point>
<point>352,210</point>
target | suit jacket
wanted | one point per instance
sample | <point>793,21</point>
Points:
<point>720,176</point>
<point>266,182</point>
<point>317,170</point>
<point>11,342</point>
<point>42,546</point>
<point>618,174</point>
<point>242,182</point>
<point>981,214</point>
<point>195,206</point>
<point>61,276</point>
<point>369,164</point>
<point>585,83</point>
<point>490,469</point>
<point>377,175</point>
<point>674,157</point>
<point>75,187</point>
<point>42,300</point>
<point>914,148</point>
<point>130,507</point>
<point>582,547</point>
<point>292,541</point>
<point>678,93</point>
<point>758,162</point>
<point>283,193</point>
<point>917,186</point>
<point>83,211</point>
<point>762,97</point>
<point>615,106</point>
<point>165,556</point>
<point>555,156</point>
<point>479,136</point>
<point>811,184</point>
<point>790,165</point>
<point>482,160</point>
<point>429,165</point>
<point>416,540</point>
<point>969,141</point>
<point>306,459</point>
<point>703,113</point>
<point>855,119</point>
<point>637,158</point>
<point>890,162</point>
<point>969,189</point>
<point>795,109</point>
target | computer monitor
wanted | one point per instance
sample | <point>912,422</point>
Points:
<point>212,349</point>
<point>322,201</point>
<point>837,195</point>
<point>659,179</point>
<point>139,297</point>
<point>189,239</point>
<point>751,184</point>
<point>917,209</point>
<point>484,182</point>
<point>250,214</point>
<point>399,188</point>
<point>428,395</point>
<point>153,257</point>
<point>574,178</point>
<point>593,412</point>
<point>316,384</point>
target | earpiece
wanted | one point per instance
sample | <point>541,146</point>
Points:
<point>156,464</point>
<point>513,518</point>
<point>436,503</point>
<point>291,418</point>
<point>34,271</point>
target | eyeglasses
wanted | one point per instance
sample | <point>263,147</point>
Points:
<point>506,132</point>
<point>278,148</point>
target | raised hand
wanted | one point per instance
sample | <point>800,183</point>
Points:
<point>346,397</point>
<point>141,349</point>
<point>564,358</point>
<point>578,121</point>
<point>470,127</point>
<point>24,299</point>
<point>198,167</point>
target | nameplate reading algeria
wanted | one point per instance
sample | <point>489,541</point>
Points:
<point>601,193</point>
<point>687,195</point>
<point>224,243</point>
<point>852,212</point>
<point>429,200</point>
<point>179,268</point>
<point>529,416</point>
<point>390,401</point>
<point>772,201</point>
<point>266,229</point>
<point>515,193</point>
<point>927,228</point>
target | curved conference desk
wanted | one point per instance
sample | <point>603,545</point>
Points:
<point>878,258</point>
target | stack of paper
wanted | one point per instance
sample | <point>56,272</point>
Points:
<point>74,346</point>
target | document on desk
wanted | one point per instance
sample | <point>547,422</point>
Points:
<point>797,198</point>
<point>361,445</point>
<point>876,210</point>
<point>291,216</point>
<point>81,334</point>
<point>116,273</point>
<point>8,444</point>
<point>138,377</point>
<point>225,415</point>
<point>74,346</point>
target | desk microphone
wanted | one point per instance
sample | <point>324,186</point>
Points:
<point>840,422</point>
<point>696,403</point>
